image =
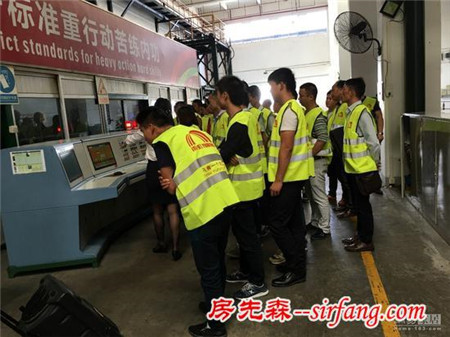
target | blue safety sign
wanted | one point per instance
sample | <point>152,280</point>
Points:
<point>8,89</point>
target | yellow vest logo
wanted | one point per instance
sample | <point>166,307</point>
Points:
<point>341,114</point>
<point>197,140</point>
<point>275,123</point>
<point>349,125</point>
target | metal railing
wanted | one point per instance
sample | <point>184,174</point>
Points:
<point>205,23</point>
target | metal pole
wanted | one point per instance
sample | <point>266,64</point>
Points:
<point>62,105</point>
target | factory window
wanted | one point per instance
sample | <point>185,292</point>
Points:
<point>83,117</point>
<point>115,119</point>
<point>38,120</point>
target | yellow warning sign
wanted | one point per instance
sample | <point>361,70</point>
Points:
<point>102,93</point>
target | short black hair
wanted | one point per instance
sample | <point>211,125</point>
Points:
<point>358,85</point>
<point>179,103</point>
<point>235,89</point>
<point>340,83</point>
<point>164,104</point>
<point>329,92</point>
<point>254,91</point>
<point>197,101</point>
<point>310,88</point>
<point>286,76</point>
<point>153,115</point>
<point>186,116</point>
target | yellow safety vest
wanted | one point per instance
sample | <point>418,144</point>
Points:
<point>370,102</point>
<point>330,116</point>
<point>357,158</point>
<point>248,177</point>
<point>311,117</point>
<point>301,165</point>
<point>207,122</point>
<point>266,113</point>
<point>220,127</point>
<point>203,187</point>
<point>256,114</point>
<point>337,120</point>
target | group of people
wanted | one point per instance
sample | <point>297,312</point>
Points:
<point>234,163</point>
<point>33,130</point>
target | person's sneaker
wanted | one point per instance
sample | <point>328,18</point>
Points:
<point>204,329</point>
<point>319,235</point>
<point>276,259</point>
<point>176,255</point>
<point>160,248</point>
<point>237,277</point>
<point>250,290</point>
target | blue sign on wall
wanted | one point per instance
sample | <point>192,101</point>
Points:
<point>8,89</point>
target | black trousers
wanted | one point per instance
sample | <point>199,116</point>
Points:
<point>363,209</point>
<point>244,229</point>
<point>208,246</point>
<point>336,167</point>
<point>287,224</point>
<point>262,207</point>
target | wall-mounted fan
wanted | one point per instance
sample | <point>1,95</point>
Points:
<point>354,33</point>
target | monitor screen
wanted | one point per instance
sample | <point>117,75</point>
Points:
<point>70,164</point>
<point>101,155</point>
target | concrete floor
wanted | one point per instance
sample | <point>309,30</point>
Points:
<point>148,294</point>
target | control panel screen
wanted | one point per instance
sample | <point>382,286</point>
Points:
<point>102,155</point>
<point>70,164</point>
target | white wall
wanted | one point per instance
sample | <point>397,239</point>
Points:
<point>308,57</point>
<point>365,65</point>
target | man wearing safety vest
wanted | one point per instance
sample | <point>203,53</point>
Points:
<point>265,116</point>
<point>192,168</point>
<point>265,119</point>
<point>290,166</point>
<point>316,123</point>
<point>361,156</point>
<point>373,106</point>
<point>219,121</point>
<point>336,126</point>
<point>332,106</point>
<point>240,152</point>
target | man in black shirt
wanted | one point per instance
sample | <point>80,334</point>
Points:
<point>238,142</point>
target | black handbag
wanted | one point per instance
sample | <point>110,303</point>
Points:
<point>368,182</point>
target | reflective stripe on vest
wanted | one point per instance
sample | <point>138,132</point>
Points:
<point>203,187</point>
<point>356,154</point>
<point>301,164</point>
<point>247,177</point>
<point>311,118</point>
